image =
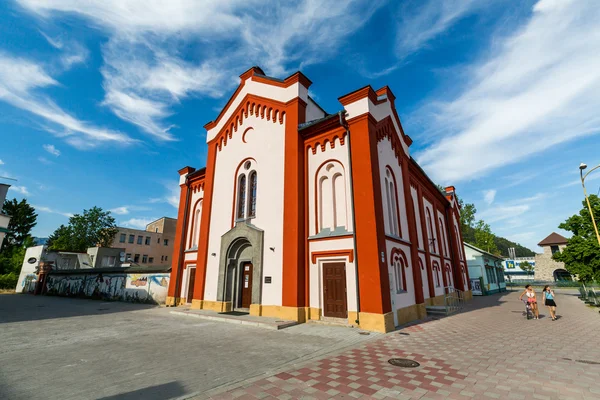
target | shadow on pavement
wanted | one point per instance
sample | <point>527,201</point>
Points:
<point>164,391</point>
<point>26,307</point>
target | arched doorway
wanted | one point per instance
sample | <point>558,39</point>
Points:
<point>240,268</point>
<point>561,275</point>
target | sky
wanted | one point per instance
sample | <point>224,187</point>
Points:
<point>102,101</point>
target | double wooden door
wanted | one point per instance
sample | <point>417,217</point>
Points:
<point>191,281</point>
<point>334,290</point>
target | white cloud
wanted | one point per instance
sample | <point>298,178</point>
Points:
<point>50,148</point>
<point>19,189</point>
<point>504,212</point>
<point>172,196</point>
<point>124,210</point>
<point>73,52</point>
<point>537,90</point>
<point>137,223</point>
<point>44,160</point>
<point>1,162</point>
<point>51,211</point>
<point>19,78</point>
<point>489,196</point>
<point>145,75</point>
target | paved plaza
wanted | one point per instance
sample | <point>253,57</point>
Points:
<point>56,348</point>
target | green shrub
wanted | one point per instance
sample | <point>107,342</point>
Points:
<point>8,281</point>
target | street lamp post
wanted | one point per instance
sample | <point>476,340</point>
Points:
<point>583,166</point>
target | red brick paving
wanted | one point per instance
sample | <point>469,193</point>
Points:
<point>487,352</point>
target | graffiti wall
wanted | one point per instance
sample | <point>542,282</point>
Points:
<point>136,288</point>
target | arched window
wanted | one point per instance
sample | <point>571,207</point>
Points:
<point>196,226</point>
<point>443,238</point>
<point>448,275</point>
<point>460,252</point>
<point>391,199</point>
<point>399,263</point>
<point>241,211</point>
<point>430,235</point>
<point>247,180</point>
<point>252,195</point>
<point>330,189</point>
<point>436,273</point>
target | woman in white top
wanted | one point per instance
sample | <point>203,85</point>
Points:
<point>531,300</point>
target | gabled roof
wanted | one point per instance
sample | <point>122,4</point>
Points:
<point>553,238</point>
<point>483,252</point>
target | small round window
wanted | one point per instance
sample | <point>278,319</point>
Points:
<point>247,165</point>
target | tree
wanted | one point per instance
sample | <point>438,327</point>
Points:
<point>525,266</point>
<point>582,254</point>
<point>94,227</point>
<point>467,214</point>
<point>22,220</point>
<point>484,238</point>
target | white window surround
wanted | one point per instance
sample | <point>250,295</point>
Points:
<point>247,189</point>
<point>332,213</point>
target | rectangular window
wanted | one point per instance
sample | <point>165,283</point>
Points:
<point>166,258</point>
<point>144,259</point>
<point>148,240</point>
<point>140,239</point>
<point>131,238</point>
<point>136,258</point>
<point>158,241</point>
<point>109,261</point>
<point>162,258</point>
<point>166,242</point>
<point>151,260</point>
<point>128,257</point>
<point>122,238</point>
<point>554,249</point>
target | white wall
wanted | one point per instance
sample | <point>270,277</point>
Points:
<point>264,143</point>
<point>28,269</point>
<point>316,271</point>
<point>407,298</point>
<point>340,154</point>
<point>313,111</point>
<point>193,224</point>
<point>387,158</point>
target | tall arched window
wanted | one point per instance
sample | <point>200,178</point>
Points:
<point>247,180</point>
<point>460,252</point>
<point>196,226</point>
<point>330,192</point>
<point>391,196</point>
<point>430,235</point>
<point>448,275</point>
<point>443,238</point>
<point>399,264</point>
<point>241,197</point>
<point>252,195</point>
<point>436,273</point>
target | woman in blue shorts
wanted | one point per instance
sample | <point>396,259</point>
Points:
<point>549,302</point>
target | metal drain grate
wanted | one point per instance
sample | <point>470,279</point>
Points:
<point>404,333</point>
<point>403,362</point>
<point>364,333</point>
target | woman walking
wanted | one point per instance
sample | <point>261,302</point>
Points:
<point>531,300</point>
<point>549,302</point>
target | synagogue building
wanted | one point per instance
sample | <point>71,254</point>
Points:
<point>304,215</point>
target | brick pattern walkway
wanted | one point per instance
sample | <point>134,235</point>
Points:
<point>490,351</point>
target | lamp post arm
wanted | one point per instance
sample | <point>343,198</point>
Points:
<point>588,200</point>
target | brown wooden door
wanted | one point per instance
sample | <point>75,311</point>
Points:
<point>334,290</point>
<point>191,281</point>
<point>246,285</point>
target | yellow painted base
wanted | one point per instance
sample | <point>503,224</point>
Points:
<point>298,314</point>
<point>352,317</point>
<point>377,322</point>
<point>435,301</point>
<point>468,295</point>
<point>411,313</point>
<point>218,306</point>
<point>170,301</point>
<point>312,313</point>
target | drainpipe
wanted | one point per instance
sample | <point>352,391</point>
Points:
<point>181,262</point>
<point>345,125</point>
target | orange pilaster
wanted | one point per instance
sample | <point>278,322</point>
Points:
<point>205,222</point>
<point>369,229</point>
<point>294,236</point>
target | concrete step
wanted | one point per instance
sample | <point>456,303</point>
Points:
<point>259,322</point>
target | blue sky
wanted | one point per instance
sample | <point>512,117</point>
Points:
<point>101,102</point>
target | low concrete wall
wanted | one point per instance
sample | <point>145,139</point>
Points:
<point>131,286</point>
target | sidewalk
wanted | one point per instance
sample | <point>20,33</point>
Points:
<point>488,351</point>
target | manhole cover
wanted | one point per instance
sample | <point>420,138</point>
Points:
<point>588,362</point>
<point>363,333</point>
<point>403,362</point>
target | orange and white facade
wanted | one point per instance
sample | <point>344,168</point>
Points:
<point>303,215</point>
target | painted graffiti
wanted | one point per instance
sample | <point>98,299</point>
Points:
<point>151,288</point>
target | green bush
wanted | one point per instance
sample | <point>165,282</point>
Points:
<point>8,281</point>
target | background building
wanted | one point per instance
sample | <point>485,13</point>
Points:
<point>4,219</point>
<point>485,271</point>
<point>546,269</point>
<point>151,246</point>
